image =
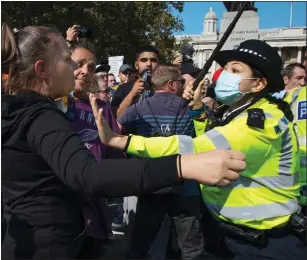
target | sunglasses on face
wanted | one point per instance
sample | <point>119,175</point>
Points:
<point>155,60</point>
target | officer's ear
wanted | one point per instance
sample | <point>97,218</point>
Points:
<point>259,85</point>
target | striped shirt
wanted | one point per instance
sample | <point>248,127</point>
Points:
<point>163,114</point>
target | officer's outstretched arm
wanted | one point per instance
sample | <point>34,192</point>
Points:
<point>178,144</point>
<point>237,135</point>
<point>234,136</point>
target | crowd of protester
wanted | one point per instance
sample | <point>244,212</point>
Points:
<point>74,142</point>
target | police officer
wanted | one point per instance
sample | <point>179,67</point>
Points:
<point>298,103</point>
<point>256,211</point>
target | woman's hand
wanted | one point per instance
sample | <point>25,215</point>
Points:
<point>218,167</point>
<point>194,96</point>
<point>106,135</point>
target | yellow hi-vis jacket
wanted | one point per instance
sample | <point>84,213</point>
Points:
<point>266,194</point>
<point>298,103</point>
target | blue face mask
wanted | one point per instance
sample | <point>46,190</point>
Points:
<point>227,88</point>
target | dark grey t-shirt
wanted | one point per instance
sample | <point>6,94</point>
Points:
<point>163,114</point>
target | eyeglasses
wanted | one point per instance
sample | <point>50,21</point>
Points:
<point>182,81</point>
<point>155,60</point>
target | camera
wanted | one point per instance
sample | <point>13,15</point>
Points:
<point>187,52</point>
<point>85,32</point>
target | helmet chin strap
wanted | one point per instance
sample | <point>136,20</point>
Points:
<point>239,102</point>
<point>244,95</point>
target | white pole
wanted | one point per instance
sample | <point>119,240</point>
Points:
<point>291,4</point>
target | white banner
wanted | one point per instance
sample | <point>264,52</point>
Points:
<point>115,62</point>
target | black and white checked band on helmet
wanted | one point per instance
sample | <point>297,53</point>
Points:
<point>253,52</point>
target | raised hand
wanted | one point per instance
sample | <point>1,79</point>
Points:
<point>72,33</point>
<point>106,135</point>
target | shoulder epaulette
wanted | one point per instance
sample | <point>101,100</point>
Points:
<point>256,118</point>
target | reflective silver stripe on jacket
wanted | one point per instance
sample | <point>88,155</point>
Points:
<point>294,103</point>
<point>185,144</point>
<point>284,179</point>
<point>271,182</point>
<point>219,140</point>
<point>302,140</point>
<point>285,161</point>
<point>263,211</point>
<point>295,95</point>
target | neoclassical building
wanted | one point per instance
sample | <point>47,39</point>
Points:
<point>289,42</point>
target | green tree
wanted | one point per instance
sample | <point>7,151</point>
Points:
<point>186,40</point>
<point>119,28</point>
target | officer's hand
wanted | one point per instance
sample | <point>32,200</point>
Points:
<point>218,167</point>
<point>209,102</point>
<point>205,87</point>
<point>194,96</point>
<point>106,135</point>
<point>138,87</point>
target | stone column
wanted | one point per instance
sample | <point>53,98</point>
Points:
<point>198,57</point>
<point>212,66</point>
<point>279,51</point>
<point>299,55</point>
<point>202,58</point>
